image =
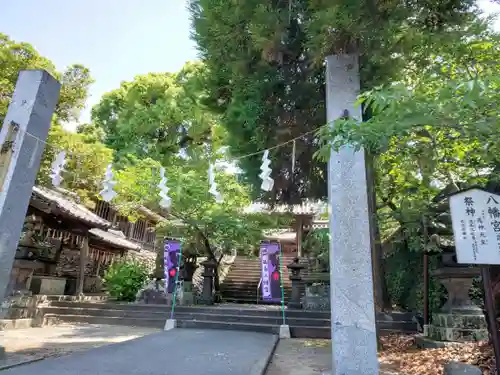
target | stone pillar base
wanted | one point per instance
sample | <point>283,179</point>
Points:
<point>284,331</point>
<point>461,327</point>
<point>294,305</point>
<point>187,299</point>
<point>170,324</point>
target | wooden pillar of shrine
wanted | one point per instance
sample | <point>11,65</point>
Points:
<point>298,234</point>
<point>84,253</point>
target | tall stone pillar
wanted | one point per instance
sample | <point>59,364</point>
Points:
<point>28,118</point>
<point>354,339</point>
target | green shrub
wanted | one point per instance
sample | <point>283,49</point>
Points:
<point>124,278</point>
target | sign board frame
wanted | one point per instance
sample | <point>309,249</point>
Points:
<point>475,216</point>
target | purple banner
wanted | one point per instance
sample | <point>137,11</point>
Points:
<point>172,251</point>
<point>270,271</point>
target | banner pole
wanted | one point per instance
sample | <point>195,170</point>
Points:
<point>174,299</point>
<point>282,286</point>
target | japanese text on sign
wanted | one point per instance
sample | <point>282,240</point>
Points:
<point>476,226</point>
<point>266,290</point>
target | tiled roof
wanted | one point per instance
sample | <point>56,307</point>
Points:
<point>115,238</point>
<point>150,214</point>
<point>281,235</point>
<point>69,207</point>
<point>306,208</point>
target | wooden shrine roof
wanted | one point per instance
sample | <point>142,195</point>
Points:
<point>283,235</point>
<point>55,203</point>
<point>307,208</point>
<point>113,238</point>
<point>150,214</point>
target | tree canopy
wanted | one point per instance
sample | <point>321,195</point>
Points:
<point>266,69</point>
<point>86,162</point>
<point>75,80</point>
<point>87,159</point>
<point>156,115</point>
<point>432,132</point>
<point>207,227</point>
<point>436,127</point>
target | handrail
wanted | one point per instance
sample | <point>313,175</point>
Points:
<point>258,287</point>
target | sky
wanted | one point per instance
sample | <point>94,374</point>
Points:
<point>115,39</point>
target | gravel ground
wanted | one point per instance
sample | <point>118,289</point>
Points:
<point>301,357</point>
<point>307,357</point>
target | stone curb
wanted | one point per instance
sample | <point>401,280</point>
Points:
<point>260,367</point>
<point>20,363</point>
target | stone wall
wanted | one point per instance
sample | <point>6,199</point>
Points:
<point>316,297</point>
<point>147,257</point>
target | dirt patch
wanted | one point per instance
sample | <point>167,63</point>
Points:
<point>301,357</point>
<point>308,357</point>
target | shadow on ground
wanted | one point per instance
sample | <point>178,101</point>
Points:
<point>34,343</point>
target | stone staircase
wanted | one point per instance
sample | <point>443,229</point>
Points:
<point>241,283</point>
<point>261,318</point>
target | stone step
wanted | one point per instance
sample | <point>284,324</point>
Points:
<point>244,291</point>
<point>237,326</point>
<point>230,309</point>
<point>249,299</point>
<point>8,324</point>
<point>253,319</point>
<point>245,280</point>
<point>55,319</point>
<point>295,317</point>
<point>296,331</point>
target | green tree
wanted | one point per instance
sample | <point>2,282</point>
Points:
<point>433,132</point>
<point>86,157</point>
<point>85,166</point>
<point>75,80</point>
<point>207,228</point>
<point>267,76</point>
<point>93,132</point>
<point>156,115</point>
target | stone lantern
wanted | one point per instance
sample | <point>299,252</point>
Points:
<point>294,274</point>
<point>207,295</point>
<point>460,319</point>
<point>188,269</point>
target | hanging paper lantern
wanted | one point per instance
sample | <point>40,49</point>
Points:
<point>265,175</point>
<point>213,185</point>
<point>57,168</point>
<point>107,193</point>
<point>165,201</point>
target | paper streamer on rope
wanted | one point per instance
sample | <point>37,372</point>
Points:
<point>265,175</point>
<point>213,185</point>
<point>108,193</point>
<point>57,168</point>
<point>165,201</point>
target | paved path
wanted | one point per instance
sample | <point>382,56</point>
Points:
<point>31,344</point>
<point>176,352</point>
<point>67,338</point>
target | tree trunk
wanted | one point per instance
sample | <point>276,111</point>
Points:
<point>380,293</point>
